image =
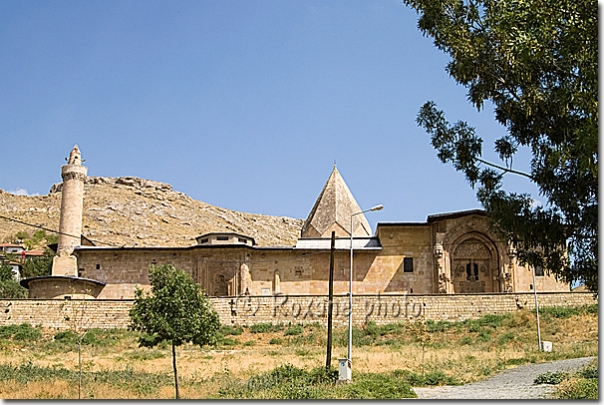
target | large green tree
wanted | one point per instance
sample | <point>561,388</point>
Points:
<point>535,61</point>
<point>175,310</point>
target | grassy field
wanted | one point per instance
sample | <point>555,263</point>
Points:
<point>287,361</point>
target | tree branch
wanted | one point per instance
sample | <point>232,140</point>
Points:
<point>505,169</point>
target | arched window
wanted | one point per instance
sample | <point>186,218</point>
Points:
<point>472,271</point>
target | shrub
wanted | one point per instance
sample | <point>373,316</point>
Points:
<point>283,382</point>
<point>589,372</point>
<point>294,330</point>
<point>432,378</point>
<point>558,312</point>
<point>21,235</point>
<point>228,342</point>
<point>506,337</point>
<point>65,336</point>
<point>391,329</point>
<point>371,329</point>
<point>484,336</point>
<point>359,338</point>
<point>466,341</point>
<point>582,385</point>
<point>591,309</point>
<point>309,339</point>
<point>275,341</point>
<point>92,338</point>
<point>515,362</point>
<point>550,378</point>
<point>250,343</point>
<point>389,342</point>
<point>491,320</point>
<point>27,372</point>
<point>439,326</point>
<point>473,326</point>
<point>23,331</point>
<point>227,330</point>
<point>584,388</point>
<point>438,377</point>
<point>414,379</point>
<point>376,386</point>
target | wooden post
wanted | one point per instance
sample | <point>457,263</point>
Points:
<point>330,302</point>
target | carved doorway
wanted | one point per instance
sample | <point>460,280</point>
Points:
<point>474,262</point>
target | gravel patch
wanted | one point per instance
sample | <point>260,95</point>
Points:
<point>516,383</point>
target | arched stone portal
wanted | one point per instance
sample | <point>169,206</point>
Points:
<point>474,264</point>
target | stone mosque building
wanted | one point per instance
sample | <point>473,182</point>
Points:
<point>450,253</point>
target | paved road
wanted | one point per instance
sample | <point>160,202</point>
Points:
<point>516,383</point>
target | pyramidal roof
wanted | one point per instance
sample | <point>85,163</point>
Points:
<point>332,212</point>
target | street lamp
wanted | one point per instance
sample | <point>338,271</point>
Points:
<point>376,208</point>
<point>537,310</point>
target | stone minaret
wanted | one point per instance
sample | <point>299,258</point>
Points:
<point>70,228</point>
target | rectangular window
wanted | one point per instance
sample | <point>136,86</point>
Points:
<point>242,240</point>
<point>204,240</point>
<point>408,265</point>
<point>539,271</point>
<point>222,238</point>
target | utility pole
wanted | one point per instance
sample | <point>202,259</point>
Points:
<point>330,302</point>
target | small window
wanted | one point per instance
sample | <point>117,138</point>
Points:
<point>242,240</point>
<point>408,265</point>
<point>539,271</point>
<point>204,240</point>
<point>98,266</point>
<point>222,238</point>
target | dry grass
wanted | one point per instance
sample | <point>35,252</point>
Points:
<point>201,369</point>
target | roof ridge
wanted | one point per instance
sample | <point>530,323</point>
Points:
<point>332,210</point>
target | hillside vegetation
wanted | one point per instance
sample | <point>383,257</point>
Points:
<point>135,212</point>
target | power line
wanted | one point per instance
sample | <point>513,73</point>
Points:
<point>53,230</point>
<point>207,260</point>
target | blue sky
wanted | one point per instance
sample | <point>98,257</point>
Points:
<point>241,104</point>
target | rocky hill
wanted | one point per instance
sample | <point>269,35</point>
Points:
<point>135,212</point>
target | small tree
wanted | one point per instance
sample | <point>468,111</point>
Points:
<point>174,311</point>
<point>40,266</point>
<point>79,324</point>
<point>9,287</point>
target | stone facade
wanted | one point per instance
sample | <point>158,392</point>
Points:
<point>453,253</point>
<point>249,310</point>
<point>449,254</point>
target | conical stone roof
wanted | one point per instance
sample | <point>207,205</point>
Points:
<point>332,212</point>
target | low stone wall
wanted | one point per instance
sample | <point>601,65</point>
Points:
<point>248,310</point>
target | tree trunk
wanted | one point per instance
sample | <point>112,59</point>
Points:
<point>80,365</point>
<point>175,371</point>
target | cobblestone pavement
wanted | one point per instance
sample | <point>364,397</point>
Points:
<point>516,383</point>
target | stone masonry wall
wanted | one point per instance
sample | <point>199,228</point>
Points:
<point>248,310</point>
